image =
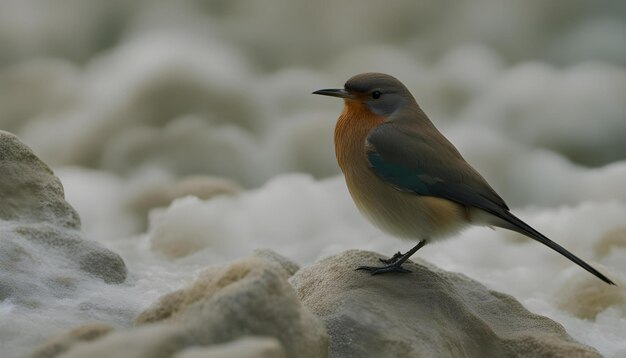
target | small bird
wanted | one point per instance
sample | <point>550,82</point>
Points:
<point>407,178</point>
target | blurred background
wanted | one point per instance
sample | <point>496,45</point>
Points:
<point>136,103</point>
<point>134,96</point>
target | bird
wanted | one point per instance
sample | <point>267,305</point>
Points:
<point>407,178</point>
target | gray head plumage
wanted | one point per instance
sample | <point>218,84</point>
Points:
<point>382,93</point>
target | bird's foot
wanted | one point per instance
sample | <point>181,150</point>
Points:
<point>394,267</point>
<point>393,258</point>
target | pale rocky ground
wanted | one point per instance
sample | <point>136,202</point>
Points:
<point>261,306</point>
<point>136,104</point>
<point>39,230</point>
<point>426,313</point>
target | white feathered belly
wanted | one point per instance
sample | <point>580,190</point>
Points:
<point>403,214</point>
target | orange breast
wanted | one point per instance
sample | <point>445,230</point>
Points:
<point>399,213</point>
<point>353,125</point>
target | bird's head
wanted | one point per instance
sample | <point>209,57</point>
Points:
<point>381,94</point>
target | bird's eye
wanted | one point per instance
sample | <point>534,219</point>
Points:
<point>376,95</point>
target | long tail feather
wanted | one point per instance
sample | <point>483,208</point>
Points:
<point>525,229</point>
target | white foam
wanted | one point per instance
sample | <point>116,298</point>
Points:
<point>124,96</point>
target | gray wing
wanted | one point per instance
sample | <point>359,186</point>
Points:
<point>417,158</point>
<point>423,161</point>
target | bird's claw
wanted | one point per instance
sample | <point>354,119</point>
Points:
<point>383,269</point>
<point>393,258</point>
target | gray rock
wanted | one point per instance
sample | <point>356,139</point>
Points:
<point>62,343</point>
<point>42,251</point>
<point>29,190</point>
<point>247,347</point>
<point>246,297</point>
<point>426,313</point>
<point>289,266</point>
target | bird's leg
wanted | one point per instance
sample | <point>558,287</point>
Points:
<point>396,264</point>
<point>393,258</point>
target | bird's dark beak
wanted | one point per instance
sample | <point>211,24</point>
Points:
<point>342,93</point>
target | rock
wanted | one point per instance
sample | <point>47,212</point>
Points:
<point>150,341</point>
<point>42,251</point>
<point>29,190</point>
<point>289,266</point>
<point>62,343</point>
<point>247,297</point>
<point>104,264</point>
<point>248,347</point>
<point>426,313</point>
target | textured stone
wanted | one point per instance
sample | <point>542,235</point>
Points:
<point>248,347</point>
<point>247,297</point>
<point>29,190</point>
<point>426,313</point>
<point>62,343</point>
<point>42,251</point>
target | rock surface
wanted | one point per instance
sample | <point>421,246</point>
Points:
<point>62,343</point>
<point>246,297</point>
<point>29,190</point>
<point>426,313</point>
<point>249,347</point>
<point>42,251</point>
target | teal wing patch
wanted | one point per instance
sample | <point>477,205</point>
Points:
<point>425,166</point>
<point>399,176</point>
